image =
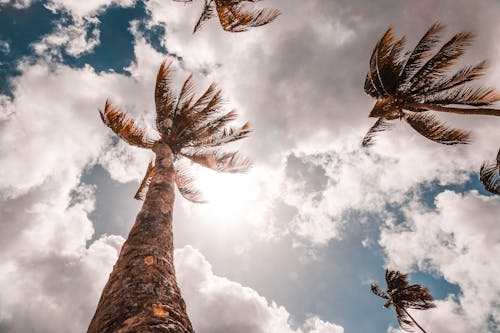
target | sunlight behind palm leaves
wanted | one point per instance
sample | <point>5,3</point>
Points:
<point>193,128</point>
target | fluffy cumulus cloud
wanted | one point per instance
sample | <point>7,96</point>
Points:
<point>301,88</point>
<point>51,280</point>
<point>217,304</point>
<point>299,82</point>
<point>77,32</point>
<point>459,240</point>
<point>50,132</point>
<point>19,4</point>
<point>88,8</point>
<point>75,39</point>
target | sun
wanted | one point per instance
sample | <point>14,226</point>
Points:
<point>226,194</point>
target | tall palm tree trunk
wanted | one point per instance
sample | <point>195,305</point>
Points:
<point>142,295</point>
<point>414,321</point>
<point>468,111</point>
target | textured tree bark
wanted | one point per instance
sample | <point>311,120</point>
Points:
<point>141,294</point>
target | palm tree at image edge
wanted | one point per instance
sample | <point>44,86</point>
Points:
<point>489,175</point>
<point>403,296</point>
<point>234,15</point>
<point>141,294</point>
<point>408,86</point>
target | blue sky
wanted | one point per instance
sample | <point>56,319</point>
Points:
<point>293,245</point>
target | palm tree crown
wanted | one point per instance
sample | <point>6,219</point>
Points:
<point>192,128</point>
<point>490,175</point>
<point>408,85</point>
<point>403,296</point>
<point>234,15</point>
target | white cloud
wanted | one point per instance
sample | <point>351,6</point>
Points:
<point>76,39</point>
<point>299,82</point>
<point>78,34</point>
<point>4,47</point>
<point>50,132</point>
<point>19,4</point>
<point>216,304</point>
<point>51,281</point>
<point>88,8</point>
<point>459,240</point>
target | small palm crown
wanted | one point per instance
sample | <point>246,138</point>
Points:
<point>406,86</point>
<point>192,128</point>
<point>403,296</point>
<point>490,175</point>
<point>234,16</point>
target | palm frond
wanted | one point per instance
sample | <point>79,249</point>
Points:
<point>164,96</point>
<point>232,162</point>
<point>185,96</point>
<point>402,296</point>
<point>461,77</point>
<point>416,297</point>
<point>490,175</point>
<point>395,280</point>
<point>465,96</point>
<point>184,182</point>
<point>380,125</point>
<point>234,17</point>
<point>417,57</point>
<point>441,61</point>
<point>430,127</point>
<point>403,319</point>
<point>385,66</point>
<point>377,291</point>
<point>143,188</point>
<point>198,114</point>
<point>207,13</point>
<point>209,139</point>
<point>125,127</point>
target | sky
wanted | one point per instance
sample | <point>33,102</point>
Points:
<point>293,245</point>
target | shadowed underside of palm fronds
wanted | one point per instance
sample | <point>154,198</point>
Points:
<point>409,85</point>
<point>402,296</point>
<point>490,175</point>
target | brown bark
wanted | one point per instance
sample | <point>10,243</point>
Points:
<point>142,295</point>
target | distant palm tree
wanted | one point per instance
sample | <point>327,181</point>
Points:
<point>141,294</point>
<point>490,175</point>
<point>233,15</point>
<point>407,86</point>
<point>403,296</point>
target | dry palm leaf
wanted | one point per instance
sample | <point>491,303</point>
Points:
<point>125,127</point>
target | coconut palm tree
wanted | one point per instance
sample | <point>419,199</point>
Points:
<point>403,296</point>
<point>409,85</point>
<point>234,15</point>
<point>141,294</point>
<point>490,175</point>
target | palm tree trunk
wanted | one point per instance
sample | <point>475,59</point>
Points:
<point>417,107</point>
<point>141,294</point>
<point>408,314</point>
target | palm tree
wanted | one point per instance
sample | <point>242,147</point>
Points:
<point>141,294</point>
<point>490,175</point>
<point>403,296</point>
<point>233,15</point>
<point>408,86</point>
